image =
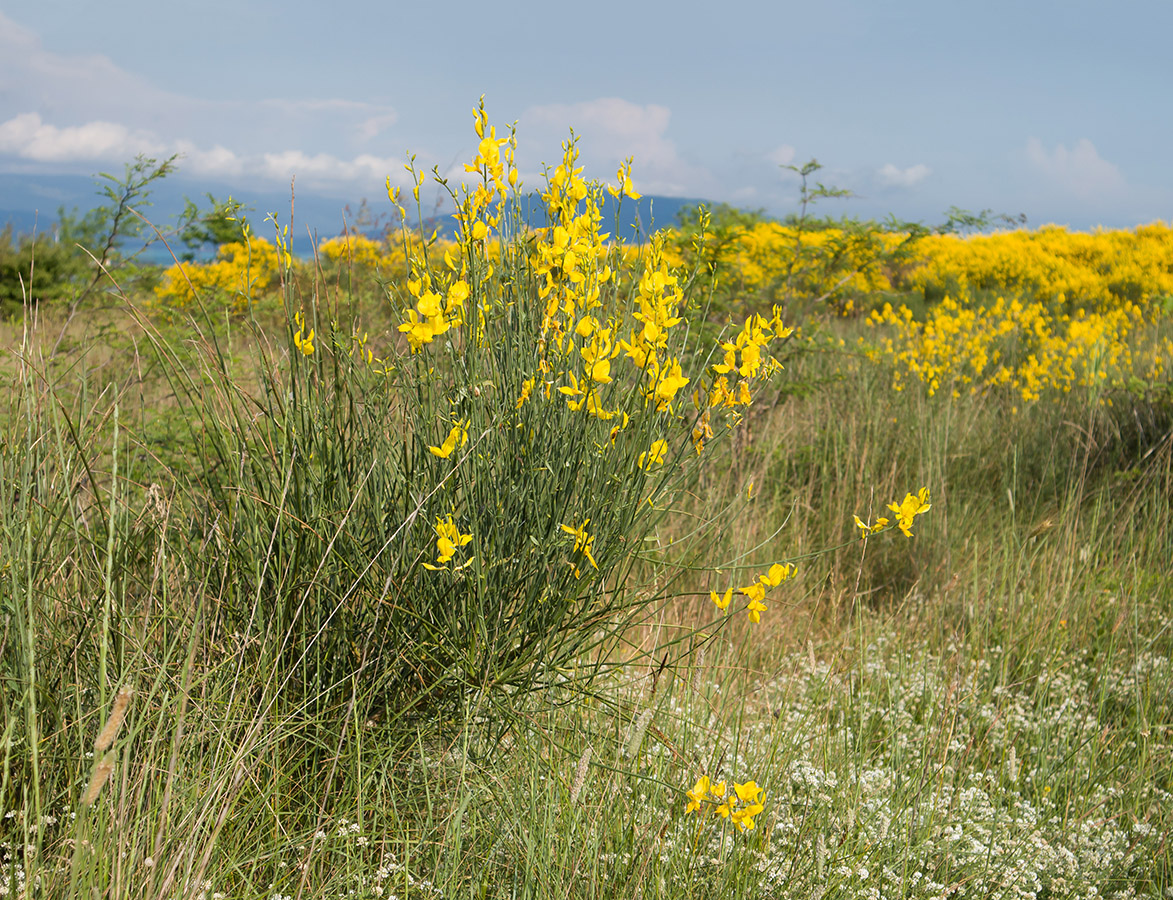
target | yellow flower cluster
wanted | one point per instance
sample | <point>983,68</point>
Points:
<point>1026,347</point>
<point>240,272</point>
<point>756,591</point>
<point>570,257</point>
<point>457,437</point>
<point>739,806</point>
<point>476,216</point>
<point>584,543</point>
<point>743,359</point>
<point>440,307</point>
<point>434,313</point>
<point>448,541</point>
<point>654,456</point>
<point>302,340</point>
<point>906,510</point>
<point>1100,270</point>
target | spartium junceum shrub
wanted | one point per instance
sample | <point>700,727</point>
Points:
<point>458,510</point>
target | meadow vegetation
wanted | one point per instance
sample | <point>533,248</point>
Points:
<point>752,559</point>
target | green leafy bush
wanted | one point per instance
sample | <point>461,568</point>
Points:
<point>36,269</point>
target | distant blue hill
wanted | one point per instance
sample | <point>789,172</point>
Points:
<point>28,200</point>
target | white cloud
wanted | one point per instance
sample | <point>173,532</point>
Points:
<point>619,127</point>
<point>1080,170</point>
<point>612,129</point>
<point>893,176</point>
<point>15,36</point>
<point>28,137</point>
<point>782,155</point>
<point>373,126</point>
<point>324,168</point>
<point>77,86</point>
<point>216,162</point>
<point>362,121</point>
<point>86,112</point>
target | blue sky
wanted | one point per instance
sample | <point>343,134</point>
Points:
<point>1062,111</point>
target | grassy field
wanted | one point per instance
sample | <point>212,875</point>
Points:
<point>247,652</point>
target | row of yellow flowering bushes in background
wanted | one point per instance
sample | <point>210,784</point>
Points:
<point>769,262</point>
<point>1099,270</point>
<point>1069,312</point>
<point>241,272</point>
<point>1028,312</point>
<point>247,270</point>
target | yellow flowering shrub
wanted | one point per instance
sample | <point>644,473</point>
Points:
<point>478,483</point>
<point>239,273</point>
<point>368,258</point>
<point>769,263</point>
<point>1097,271</point>
<point>357,249</point>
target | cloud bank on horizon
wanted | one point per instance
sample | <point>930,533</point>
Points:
<point>65,110</point>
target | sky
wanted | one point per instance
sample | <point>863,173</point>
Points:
<point>1059,111</point>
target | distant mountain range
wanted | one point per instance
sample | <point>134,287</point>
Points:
<point>32,201</point>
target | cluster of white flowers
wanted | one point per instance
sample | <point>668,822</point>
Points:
<point>908,773</point>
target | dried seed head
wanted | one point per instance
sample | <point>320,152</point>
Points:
<point>101,773</point>
<point>580,774</point>
<point>156,505</point>
<point>635,737</point>
<point>117,714</point>
<point>698,666</point>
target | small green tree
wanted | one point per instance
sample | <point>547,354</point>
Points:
<point>104,231</point>
<point>88,247</point>
<point>91,246</point>
<point>201,230</point>
<point>962,221</point>
<point>815,259</point>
